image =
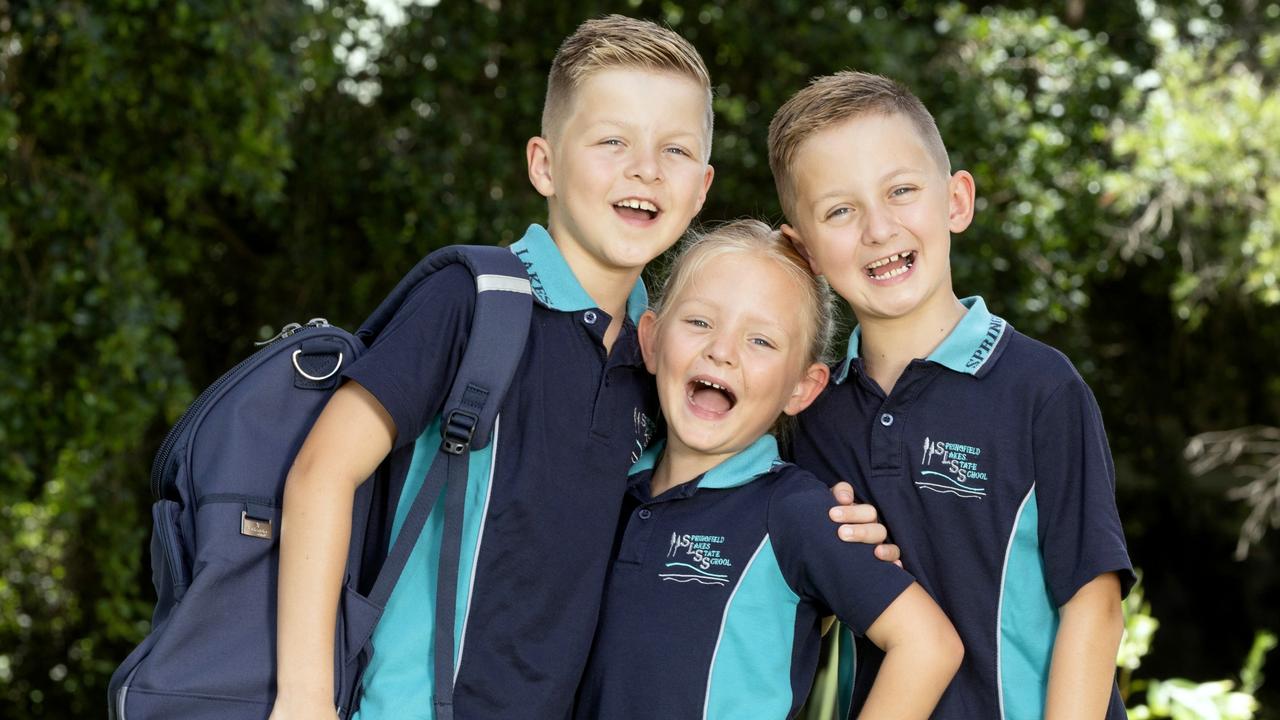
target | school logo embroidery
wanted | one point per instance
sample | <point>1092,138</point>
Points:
<point>952,469</point>
<point>645,428</point>
<point>693,557</point>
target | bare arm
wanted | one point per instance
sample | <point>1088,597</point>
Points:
<point>1084,652</point>
<point>922,653</point>
<point>350,438</point>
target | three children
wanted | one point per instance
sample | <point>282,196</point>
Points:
<point>982,448</point>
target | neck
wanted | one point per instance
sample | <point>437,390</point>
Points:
<point>678,465</point>
<point>888,345</point>
<point>608,287</point>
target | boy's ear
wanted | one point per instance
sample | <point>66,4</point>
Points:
<point>706,186</point>
<point>648,334</point>
<point>537,153</point>
<point>961,191</point>
<point>807,390</point>
<point>797,242</point>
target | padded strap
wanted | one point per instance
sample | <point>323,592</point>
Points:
<point>499,328</point>
<point>495,346</point>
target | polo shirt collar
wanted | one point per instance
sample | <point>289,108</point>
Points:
<point>970,348</point>
<point>553,282</point>
<point>741,468</point>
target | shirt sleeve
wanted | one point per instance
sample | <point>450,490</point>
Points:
<point>410,367</point>
<point>1075,489</point>
<point>817,449</point>
<point>842,578</point>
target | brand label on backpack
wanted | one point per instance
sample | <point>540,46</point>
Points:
<point>253,527</point>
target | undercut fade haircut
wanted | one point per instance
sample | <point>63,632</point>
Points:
<point>618,42</point>
<point>834,99</point>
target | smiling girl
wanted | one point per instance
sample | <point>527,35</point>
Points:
<point>720,578</point>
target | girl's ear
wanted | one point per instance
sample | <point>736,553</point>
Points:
<point>808,388</point>
<point>648,332</point>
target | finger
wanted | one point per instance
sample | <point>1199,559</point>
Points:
<point>889,553</point>
<point>856,514</point>
<point>870,533</point>
<point>843,492</point>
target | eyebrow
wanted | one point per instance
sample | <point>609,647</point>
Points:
<point>901,170</point>
<point>756,318</point>
<point>625,125</point>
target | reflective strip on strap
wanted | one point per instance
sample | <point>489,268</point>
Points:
<point>504,283</point>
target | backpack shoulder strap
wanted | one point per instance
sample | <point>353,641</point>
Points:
<point>495,342</point>
<point>495,345</point>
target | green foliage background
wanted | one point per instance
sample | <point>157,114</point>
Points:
<point>179,178</point>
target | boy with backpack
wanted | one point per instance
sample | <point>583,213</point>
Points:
<point>623,163</point>
<point>983,448</point>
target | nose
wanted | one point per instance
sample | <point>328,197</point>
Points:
<point>881,225</point>
<point>721,349</point>
<point>644,165</point>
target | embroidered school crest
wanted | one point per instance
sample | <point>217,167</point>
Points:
<point>644,429</point>
<point>952,468</point>
<point>696,559</point>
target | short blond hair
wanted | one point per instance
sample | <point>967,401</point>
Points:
<point>834,99</point>
<point>612,42</point>
<point>755,238</point>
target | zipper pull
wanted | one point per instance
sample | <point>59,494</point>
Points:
<point>285,332</point>
<point>317,322</point>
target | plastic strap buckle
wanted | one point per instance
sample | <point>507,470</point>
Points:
<point>457,431</point>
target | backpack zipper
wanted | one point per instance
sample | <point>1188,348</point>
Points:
<point>171,439</point>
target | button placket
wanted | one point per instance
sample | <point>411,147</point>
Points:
<point>635,541</point>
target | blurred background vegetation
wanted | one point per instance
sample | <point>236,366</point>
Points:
<point>179,178</point>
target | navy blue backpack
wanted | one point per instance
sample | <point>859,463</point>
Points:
<point>218,483</point>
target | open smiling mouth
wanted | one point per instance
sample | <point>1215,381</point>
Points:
<point>709,396</point>
<point>632,209</point>
<point>891,267</point>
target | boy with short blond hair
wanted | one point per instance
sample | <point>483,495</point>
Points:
<point>622,161</point>
<point>983,449</point>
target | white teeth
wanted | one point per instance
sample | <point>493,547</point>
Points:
<point>908,257</point>
<point>635,204</point>
<point>712,385</point>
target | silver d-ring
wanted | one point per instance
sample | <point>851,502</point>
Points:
<point>313,378</point>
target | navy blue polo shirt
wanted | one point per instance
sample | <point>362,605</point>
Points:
<point>542,501</point>
<point>989,464</point>
<point>717,589</point>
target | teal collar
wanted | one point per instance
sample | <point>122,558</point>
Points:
<point>968,348</point>
<point>746,465</point>
<point>553,282</point>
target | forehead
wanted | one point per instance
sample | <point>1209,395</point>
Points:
<point>864,149</point>
<point>754,285</point>
<point>638,96</point>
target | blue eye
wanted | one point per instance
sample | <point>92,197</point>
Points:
<point>763,342</point>
<point>900,191</point>
<point>698,322</point>
<point>679,151</point>
<point>839,212</point>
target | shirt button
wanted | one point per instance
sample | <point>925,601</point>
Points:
<point>589,317</point>
<point>886,419</point>
<point>645,513</point>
